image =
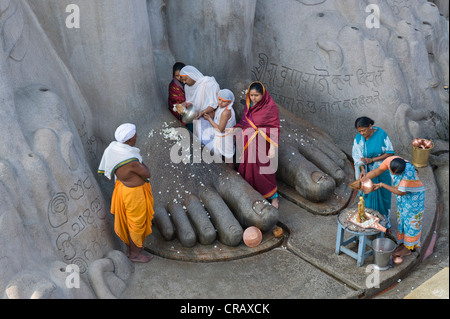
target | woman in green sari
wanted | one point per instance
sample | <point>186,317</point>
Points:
<point>370,147</point>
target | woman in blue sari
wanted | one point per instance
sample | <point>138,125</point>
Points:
<point>410,196</point>
<point>370,147</point>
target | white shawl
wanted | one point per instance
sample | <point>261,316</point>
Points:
<point>202,94</point>
<point>116,155</point>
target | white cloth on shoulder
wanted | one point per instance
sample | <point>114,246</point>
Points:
<point>116,155</point>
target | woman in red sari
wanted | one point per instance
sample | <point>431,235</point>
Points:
<point>176,90</point>
<point>260,124</point>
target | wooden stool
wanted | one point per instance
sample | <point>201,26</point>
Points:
<point>359,235</point>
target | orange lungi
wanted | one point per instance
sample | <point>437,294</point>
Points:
<point>133,210</point>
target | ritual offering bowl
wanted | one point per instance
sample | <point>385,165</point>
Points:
<point>189,113</point>
<point>372,222</point>
<point>252,236</point>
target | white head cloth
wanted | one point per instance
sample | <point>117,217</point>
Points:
<point>124,132</point>
<point>191,72</point>
<point>227,95</point>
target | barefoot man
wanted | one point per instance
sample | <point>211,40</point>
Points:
<point>132,200</point>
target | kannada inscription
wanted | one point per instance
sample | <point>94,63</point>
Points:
<point>74,213</point>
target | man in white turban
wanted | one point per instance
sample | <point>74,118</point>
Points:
<point>201,91</point>
<point>132,200</point>
<point>125,132</point>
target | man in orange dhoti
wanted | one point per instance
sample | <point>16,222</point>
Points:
<point>132,200</point>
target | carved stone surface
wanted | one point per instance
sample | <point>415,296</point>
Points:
<point>332,64</point>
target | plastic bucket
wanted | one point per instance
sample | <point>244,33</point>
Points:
<point>420,156</point>
<point>382,250</point>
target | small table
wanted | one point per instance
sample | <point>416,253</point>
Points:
<point>360,234</point>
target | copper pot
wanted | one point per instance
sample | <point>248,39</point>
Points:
<point>252,236</point>
<point>416,142</point>
<point>367,186</point>
<point>428,144</point>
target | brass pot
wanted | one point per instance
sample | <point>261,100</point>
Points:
<point>189,113</point>
<point>421,154</point>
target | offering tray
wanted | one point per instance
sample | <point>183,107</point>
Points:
<point>344,219</point>
<point>373,221</point>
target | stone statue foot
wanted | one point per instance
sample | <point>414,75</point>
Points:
<point>312,171</point>
<point>200,206</point>
<point>200,201</point>
<point>110,275</point>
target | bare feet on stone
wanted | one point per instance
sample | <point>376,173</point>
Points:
<point>400,252</point>
<point>275,202</point>
<point>140,258</point>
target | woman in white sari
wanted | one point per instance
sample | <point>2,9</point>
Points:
<point>201,91</point>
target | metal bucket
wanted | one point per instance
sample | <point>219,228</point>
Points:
<point>420,156</point>
<point>382,250</point>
